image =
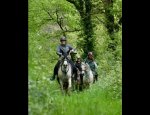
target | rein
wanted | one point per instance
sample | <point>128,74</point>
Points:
<point>86,69</point>
<point>65,57</point>
<point>63,70</point>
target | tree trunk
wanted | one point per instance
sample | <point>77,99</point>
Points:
<point>88,28</point>
<point>84,8</point>
<point>110,25</point>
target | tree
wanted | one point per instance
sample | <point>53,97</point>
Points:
<point>110,24</point>
<point>84,7</point>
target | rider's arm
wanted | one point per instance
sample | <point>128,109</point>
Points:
<point>70,47</point>
<point>85,60</point>
<point>58,51</point>
<point>95,65</point>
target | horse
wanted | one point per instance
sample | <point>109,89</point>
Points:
<point>87,77</point>
<point>65,74</point>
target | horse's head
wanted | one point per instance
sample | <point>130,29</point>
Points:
<point>84,67</point>
<point>70,53</point>
<point>65,63</point>
<point>67,54</point>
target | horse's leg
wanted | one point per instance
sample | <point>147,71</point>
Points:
<point>77,86</point>
<point>73,82</point>
<point>81,82</point>
<point>69,86</point>
<point>77,82</point>
<point>90,82</point>
<point>94,80</point>
<point>88,86</point>
<point>61,86</point>
<point>96,77</point>
<point>87,83</point>
<point>58,80</point>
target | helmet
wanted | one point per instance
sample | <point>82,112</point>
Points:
<point>63,39</point>
<point>90,53</point>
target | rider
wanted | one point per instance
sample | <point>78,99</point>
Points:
<point>62,50</point>
<point>78,65</point>
<point>90,60</point>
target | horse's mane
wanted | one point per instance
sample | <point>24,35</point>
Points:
<point>88,67</point>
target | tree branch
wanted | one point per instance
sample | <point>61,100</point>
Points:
<point>100,20</point>
<point>74,30</point>
<point>50,16</point>
<point>59,21</point>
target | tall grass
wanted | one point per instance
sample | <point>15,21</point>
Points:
<point>94,101</point>
<point>45,98</point>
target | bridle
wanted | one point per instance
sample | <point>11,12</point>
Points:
<point>65,66</point>
<point>67,63</point>
<point>83,71</point>
<point>85,66</point>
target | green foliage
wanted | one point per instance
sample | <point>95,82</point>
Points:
<point>117,10</point>
<point>104,97</point>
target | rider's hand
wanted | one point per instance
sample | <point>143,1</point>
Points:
<point>73,51</point>
<point>62,56</point>
<point>69,57</point>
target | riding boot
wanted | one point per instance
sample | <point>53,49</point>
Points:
<point>55,71</point>
<point>96,77</point>
<point>53,77</point>
<point>81,82</point>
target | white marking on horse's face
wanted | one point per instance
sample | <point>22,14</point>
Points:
<point>83,72</point>
<point>65,63</point>
<point>83,67</point>
<point>87,73</point>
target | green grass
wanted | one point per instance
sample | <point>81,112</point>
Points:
<point>47,99</point>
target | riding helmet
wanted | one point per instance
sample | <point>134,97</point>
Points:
<point>63,38</point>
<point>90,53</point>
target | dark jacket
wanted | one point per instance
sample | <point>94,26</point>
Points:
<point>78,65</point>
<point>63,50</point>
